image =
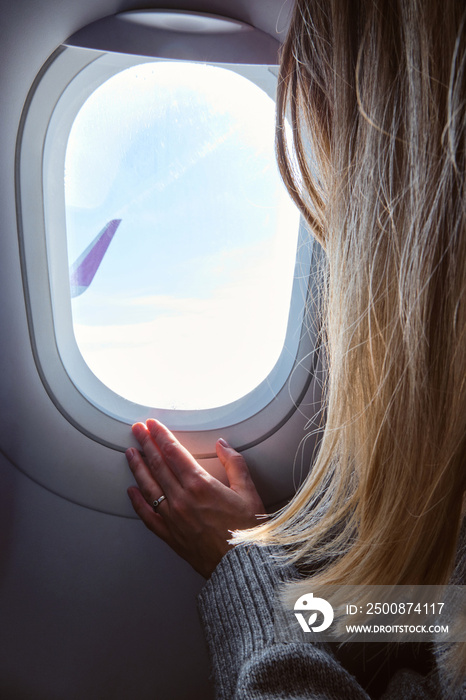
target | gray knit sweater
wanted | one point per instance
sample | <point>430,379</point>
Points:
<point>236,609</point>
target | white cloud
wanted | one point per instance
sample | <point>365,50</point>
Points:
<point>194,353</point>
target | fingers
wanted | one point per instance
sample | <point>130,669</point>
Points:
<point>157,468</point>
<point>235,467</point>
<point>177,457</point>
<point>199,511</point>
<point>153,521</point>
<point>238,475</point>
<point>172,466</point>
<point>148,486</point>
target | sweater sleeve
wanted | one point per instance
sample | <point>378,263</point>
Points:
<point>236,610</point>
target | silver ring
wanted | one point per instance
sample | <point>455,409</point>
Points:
<point>158,501</point>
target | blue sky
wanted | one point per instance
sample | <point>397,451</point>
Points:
<point>183,154</point>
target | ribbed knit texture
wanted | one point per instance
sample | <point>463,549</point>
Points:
<point>236,609</point>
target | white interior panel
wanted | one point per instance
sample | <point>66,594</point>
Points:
<point>92,607</point>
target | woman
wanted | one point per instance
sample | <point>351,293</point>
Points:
<point>376,90</point>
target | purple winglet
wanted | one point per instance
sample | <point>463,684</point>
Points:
<point>82,271</point>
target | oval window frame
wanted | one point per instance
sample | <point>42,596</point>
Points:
<point>76,69</point>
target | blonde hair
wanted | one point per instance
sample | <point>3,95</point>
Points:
<point>376,92</point>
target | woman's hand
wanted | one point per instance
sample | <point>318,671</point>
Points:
<point>199,512</point>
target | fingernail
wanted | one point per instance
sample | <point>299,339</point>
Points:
<point>138,429</point>
<point>129,454</point>
<point>223,442</point>
<point>154,423</point>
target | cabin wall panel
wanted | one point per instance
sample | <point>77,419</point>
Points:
<point>91,605</point>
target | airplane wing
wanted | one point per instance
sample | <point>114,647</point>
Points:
<point>83,270</point>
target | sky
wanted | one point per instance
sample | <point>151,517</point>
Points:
<point>189,307</point>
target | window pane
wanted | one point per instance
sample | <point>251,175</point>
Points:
<point>183,301</point>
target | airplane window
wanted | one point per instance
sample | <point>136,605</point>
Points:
<point>181,238</point>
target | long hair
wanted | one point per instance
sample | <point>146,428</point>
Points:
<point>375,91</point>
